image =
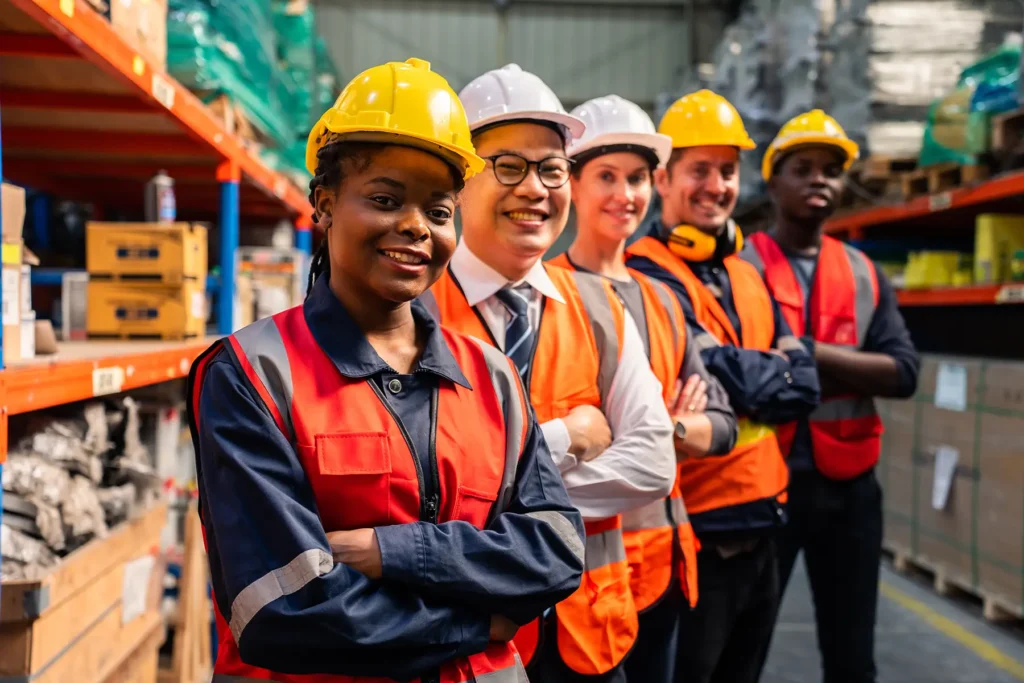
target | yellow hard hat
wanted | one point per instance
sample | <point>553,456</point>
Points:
<point>400,103</point>
<point>812,128</point>
<point>704,119</point>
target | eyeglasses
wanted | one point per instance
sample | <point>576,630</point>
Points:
<point>512,169</point>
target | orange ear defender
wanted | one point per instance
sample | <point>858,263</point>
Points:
<point>693,244</point>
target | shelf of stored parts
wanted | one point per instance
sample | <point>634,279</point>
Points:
<point>979,295</point>
<point>65,29</point>
<point>1004,187</point>
<point>83,370</point>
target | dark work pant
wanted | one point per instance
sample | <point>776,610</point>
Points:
<point>725,638</point>
<point>653,659</point>
<point>548,666</point>
<point>838,525</point>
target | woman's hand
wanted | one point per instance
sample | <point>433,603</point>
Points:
<point>357,549</point>
<point>502,629</point>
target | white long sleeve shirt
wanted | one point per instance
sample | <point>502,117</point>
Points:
<point>640,464</point>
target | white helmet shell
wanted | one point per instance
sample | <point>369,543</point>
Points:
<point>612,120</point>
<point>511,94</point>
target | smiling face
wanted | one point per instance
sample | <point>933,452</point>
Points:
<point>391,227</point>
<point>807,183</point>
<point>511,227</point>
<point>611,194</point>
<point>699,187</point>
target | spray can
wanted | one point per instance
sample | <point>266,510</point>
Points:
<point>160,203</point>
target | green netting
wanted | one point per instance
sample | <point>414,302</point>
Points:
<point>265,55</point>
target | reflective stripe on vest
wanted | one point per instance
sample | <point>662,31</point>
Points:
<point>845,430</point>
<point>590,322</point>
<point>755,469</point>
<point>302,389</point>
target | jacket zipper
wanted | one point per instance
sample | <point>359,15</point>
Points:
<point>434,502</point>
<point>408,442</point>
<point>429,505</point>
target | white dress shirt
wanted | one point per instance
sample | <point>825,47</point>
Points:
<point>640,464</point>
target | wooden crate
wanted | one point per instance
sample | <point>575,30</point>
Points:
<point>71,624</point>
<point>941,177</point>
<point>191,660</point>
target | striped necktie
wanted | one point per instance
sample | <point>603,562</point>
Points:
<point>518,331</point>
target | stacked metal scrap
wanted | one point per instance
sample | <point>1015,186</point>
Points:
<point>69,481</point>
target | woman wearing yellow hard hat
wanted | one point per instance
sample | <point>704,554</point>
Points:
<point>833,293</point>
<point>377,498</point>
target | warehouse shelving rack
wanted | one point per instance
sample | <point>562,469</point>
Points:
<point>86,117</point>
<point>948,213</point>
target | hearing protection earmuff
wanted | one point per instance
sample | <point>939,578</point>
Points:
<point>690,243</point>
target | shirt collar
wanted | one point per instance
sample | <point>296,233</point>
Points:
<point>341,339</point>
<point>480,282</point>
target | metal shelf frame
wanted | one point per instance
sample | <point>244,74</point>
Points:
<point>91,123</point>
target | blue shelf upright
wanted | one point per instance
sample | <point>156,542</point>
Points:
<point>228,175</point>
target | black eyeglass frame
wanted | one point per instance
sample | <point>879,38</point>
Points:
<point>529,164</point>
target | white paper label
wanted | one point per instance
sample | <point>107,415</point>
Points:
<point>951,387</point>
<point>107,380</point>
<point>68,7</point>
<point>1010,294</point>
<point>198,305</point>
<point>11,296</point>
<point>163,91</point>
<point>946,460</point>
<point>135,589</point>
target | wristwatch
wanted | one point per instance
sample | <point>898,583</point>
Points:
<point>680,430</point>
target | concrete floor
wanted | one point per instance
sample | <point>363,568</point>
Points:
<point>921,638</point>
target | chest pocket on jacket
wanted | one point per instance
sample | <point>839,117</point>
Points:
<point>351,477</point>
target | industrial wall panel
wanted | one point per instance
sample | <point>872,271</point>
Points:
<point>582,50</point>
<point>458,38</point>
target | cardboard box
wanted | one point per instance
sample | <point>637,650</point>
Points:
<point>143,25</point>
<point>12,220</point>
<point>146,310</point>
<point>154,252</point>
<point>245,303</point>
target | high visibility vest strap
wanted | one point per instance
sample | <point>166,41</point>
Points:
<point>845,430</point>
<point>750,297</point>
<point>261,351</point>
<point>606,317</point>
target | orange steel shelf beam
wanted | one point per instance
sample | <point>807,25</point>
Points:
<point>979,295</point>
<point>84,370</point>
<point>76,24</point>
<point>1001,187</point>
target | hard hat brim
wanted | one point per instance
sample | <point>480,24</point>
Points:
<point>848,148</point>
<point>469,164</point>
<point>659,143</point>
<point>573,126</point>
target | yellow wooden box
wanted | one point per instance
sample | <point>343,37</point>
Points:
<point>146,310</point>
<point>169,253</point>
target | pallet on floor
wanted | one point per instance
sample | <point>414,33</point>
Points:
<point>947,583</point>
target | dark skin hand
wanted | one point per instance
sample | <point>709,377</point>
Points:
<point>806,187</point>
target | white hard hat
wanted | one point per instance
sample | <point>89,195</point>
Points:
<point>612,122</point>
<point>511,94</point>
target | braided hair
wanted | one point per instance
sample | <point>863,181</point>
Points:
<point>331,161</point>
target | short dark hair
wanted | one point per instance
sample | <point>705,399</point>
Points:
<point>673,159</point>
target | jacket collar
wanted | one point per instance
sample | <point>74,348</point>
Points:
<point>480,282</point>
<point>346,345</point>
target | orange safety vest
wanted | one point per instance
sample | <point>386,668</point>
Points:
<point>755,469</point>
<point>362,450</point>
<point>653,531</point>
<point>846,432</point>
<point>597,625</point>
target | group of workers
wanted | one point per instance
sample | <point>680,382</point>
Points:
<point>458,462</point>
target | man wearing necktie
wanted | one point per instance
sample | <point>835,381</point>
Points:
<point>582,361</point>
